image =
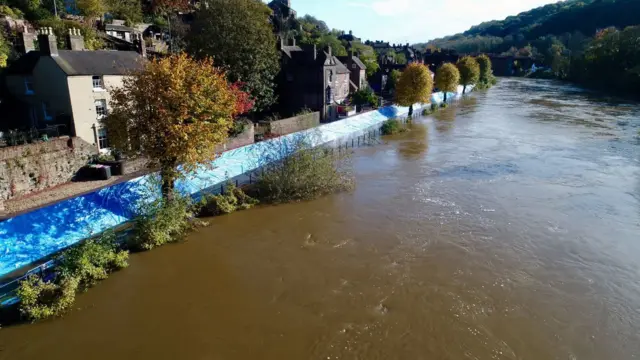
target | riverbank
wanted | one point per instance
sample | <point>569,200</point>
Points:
<point>75,219</point>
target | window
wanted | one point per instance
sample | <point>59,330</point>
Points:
<point>97,82</point>
<point>103,140</point>
<point>330,76</point>
<point>101,108</point>
<point>353,66</point>
<point>28,86</point>
<point>46,111</point>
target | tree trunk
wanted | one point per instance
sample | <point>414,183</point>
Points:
<point>445,96</point>
<point>464,89</point>
<point>410,110</point>
<point>168,179</point>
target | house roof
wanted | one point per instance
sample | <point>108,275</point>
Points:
<point>101,62</point>
<point>73,63</point>
<point>356,60</point>
<point>340,68</point>
<point>112,27</point>
<point>289,49</point>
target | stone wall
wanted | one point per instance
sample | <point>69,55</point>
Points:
<point>245,138</point>
<point>34,167</point>
<point>291,125</point>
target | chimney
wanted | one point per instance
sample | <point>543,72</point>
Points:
<point>76,41</point>
<point>47,42</point>
<point>293,42</point>
<point>28,40</point>
<point>329,51</point>
<point>281,44</point>
<point>141,47</point>
<point>351,54</point>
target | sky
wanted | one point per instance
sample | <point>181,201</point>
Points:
<point>410,21</point>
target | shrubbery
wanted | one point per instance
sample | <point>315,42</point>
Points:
<point>40,300</point>
<point>162,221</point>
<point>79,267</point>
<point>392,126</point>
<point>232,199</point>
<point>307,173</point>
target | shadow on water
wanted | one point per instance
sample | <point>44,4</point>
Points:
<point>416,142</point>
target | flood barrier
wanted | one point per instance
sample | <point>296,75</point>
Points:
<point>32,236</point>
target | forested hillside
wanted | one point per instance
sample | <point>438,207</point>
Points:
<point>596,43</point>
<point>539,27</point>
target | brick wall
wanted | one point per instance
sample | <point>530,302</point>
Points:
<point>292,124</point>
<point>33,167</point>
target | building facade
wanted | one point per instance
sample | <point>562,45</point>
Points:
<point>68,90</point>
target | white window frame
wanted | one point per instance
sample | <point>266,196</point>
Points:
<point>101,138</point>
<point>99,81</point>
<point>103,103</point>
<point>28,86</point>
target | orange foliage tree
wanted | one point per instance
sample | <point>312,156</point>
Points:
<point>414,86</point>
<point>174,112</point>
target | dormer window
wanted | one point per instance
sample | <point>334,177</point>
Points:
<point>353,66</point>
<point>97,82</point>
<point>28,86</point>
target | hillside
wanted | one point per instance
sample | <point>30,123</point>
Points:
<point>566,20</point>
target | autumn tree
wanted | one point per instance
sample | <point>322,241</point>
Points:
<point>469,71</point>
<point>175,111</point>
<point>415,85</point>
<point>238,35</point>
<point>485,68</point>
<point>447,78</point>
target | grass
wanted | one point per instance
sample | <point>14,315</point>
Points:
<point>392,126</point>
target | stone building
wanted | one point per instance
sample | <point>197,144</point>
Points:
<point>357,69</point>
<point>69,89</point>
<point>313,79</point>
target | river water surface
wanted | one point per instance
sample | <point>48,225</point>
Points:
<point>504,227</point>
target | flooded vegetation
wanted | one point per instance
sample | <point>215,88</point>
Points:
<point>505,227</point>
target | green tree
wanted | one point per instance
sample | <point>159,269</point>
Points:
<point>486,72</point>
<point>174,112</point>
<point>91,8</point>
<point>447,78</point>
<point>414,86</point>
<point>401,58</point>
<point>128,10</point>
<point>392,80</point>
<point>469,71</point>
<point>5,50</point>
<point>61,29</point>
<point>246,48</point>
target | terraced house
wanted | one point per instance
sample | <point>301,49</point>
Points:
<point>68,90</point>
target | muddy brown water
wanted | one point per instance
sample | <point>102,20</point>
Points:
<point>506,227</point>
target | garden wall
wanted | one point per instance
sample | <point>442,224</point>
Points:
<point>291,125</point>
<point>34,235</point>
<point>245,138</point>
<point>34,167</point>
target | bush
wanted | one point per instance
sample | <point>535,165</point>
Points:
<point>162,221</point>
<point>365,96</point>
<point>306,173</point>
<point>434,107</point>
<point>40,300</point>
<point>232,199</point>
<point>93,260</point>
<point>391,126</point>
<point>444,105</point>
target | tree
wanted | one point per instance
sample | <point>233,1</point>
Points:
<point>91,8</point>
<point>401,58</point>
<point>392,80</point>
<point>447,78</point>
<point>414,86</point>
<point>469,71</point>
<point>128,10</point>
<point>368,57</point>
<point>174,112</point>
<point>246,48</point>
<point>485,68</point>
<point>5,50</point>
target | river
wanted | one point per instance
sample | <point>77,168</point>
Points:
<point>504,227</point>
